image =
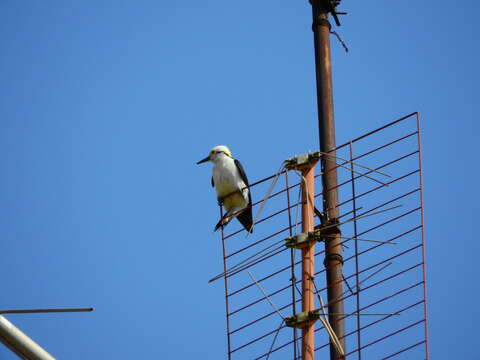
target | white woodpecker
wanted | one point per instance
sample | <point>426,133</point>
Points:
<point>231,186</point>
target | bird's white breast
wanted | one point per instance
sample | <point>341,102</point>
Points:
<point>227,180</point>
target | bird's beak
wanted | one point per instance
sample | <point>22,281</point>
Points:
<point>204,160</point>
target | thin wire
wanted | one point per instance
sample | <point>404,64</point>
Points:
<point>369,240</point>
<point>266,296</point>
<point>362,216</point>
<point>309,200</point>
<point>349,212</point>
<point>375,273</point>
<point>325,322</point>
<point>274,339</point>
<point>362,174</point>
<point>355,163</point>
<point>237,268</point>
<point>267,195</point>
<point>303,183</point>
<point>296,209</point>
<point>375,241</point>
<point>298,290</point>
<point>348,285</point>
<point>252,262</point>
<point>370,276</point>
<point>252,256</point>
<point>369,314</point>
<point>361,282</point>
<point>292,263</point>
<point>340,40</point>
<point>357,265</point>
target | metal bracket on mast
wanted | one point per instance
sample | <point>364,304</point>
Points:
<point>302,240</point>
<point>302,319</point>
<point>301,162</point>
<point>330,6</point>
<point>328,229</point>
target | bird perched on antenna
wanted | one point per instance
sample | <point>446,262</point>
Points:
<point>231,186</point>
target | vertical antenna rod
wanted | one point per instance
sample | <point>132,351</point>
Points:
<point>308,263</point>
<point>333,250</point>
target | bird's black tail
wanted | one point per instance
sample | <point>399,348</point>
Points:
<point>246,219</point>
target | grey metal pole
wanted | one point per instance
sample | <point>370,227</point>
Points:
<point>19,343</point>
<point>333,250</point>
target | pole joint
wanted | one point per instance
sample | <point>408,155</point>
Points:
<point>320,21</point>
<point>338,258</point>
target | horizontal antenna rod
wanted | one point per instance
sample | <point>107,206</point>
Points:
<point>55,310</point>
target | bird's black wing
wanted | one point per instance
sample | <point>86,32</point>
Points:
<point>245,217</point>
<point>213,184</point>
<point>239,166</point>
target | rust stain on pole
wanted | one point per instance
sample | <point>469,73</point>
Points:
<point>333,249</point>
<point>308,263</point>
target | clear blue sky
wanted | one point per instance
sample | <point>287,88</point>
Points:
<point>105,106</point>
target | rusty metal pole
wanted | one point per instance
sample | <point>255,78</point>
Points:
<point>333,249</point>
<point>308,263</point>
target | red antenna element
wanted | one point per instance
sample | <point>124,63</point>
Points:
<point>308,262</point>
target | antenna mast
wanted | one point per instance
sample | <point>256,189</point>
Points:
<point>326,124</point>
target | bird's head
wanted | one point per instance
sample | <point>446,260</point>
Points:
<point>217,153</point>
